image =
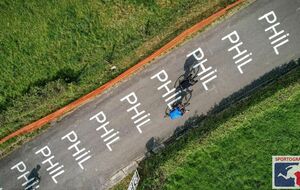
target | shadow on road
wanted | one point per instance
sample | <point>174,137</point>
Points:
<point>185,81</point>
<point>33,178</point>
<point>154,145</point>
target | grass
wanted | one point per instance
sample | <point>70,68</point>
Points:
<point>53,52</point>
<point>122,185</point>
<point>233,149</point>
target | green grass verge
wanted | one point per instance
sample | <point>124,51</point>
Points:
<point>53,52</point>
<point>122,185</point>
<point>233,149</point>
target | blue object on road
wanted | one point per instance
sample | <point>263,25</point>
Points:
<point>175,113</point>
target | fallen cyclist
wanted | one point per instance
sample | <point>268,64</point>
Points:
<point>177,111</point>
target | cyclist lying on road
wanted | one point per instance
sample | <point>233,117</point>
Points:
<point>177,111</point>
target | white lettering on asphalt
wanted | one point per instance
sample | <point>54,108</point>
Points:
<point>278,38</point>
<point>80,154</point>
<point>206,74</point>
<point>54,169</point>
<point>139,118</point>
<point>171,95</point>
<point>29,183</point>
<point>241,58</point>
<point>109,135</point>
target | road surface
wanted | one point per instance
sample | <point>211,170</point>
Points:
<point>86,147</point>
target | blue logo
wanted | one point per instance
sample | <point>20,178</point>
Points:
<point>286,172</point>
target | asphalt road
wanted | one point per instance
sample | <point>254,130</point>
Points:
<point>222,73</point>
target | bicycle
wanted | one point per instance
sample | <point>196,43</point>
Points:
<point>184,82</point>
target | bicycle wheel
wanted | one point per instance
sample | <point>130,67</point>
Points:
<point>186,97</point>
<point>179,81</point>
<point>167,111</point>
<point>194,72</point>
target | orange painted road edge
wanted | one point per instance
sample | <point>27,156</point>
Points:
<point>51,117</point>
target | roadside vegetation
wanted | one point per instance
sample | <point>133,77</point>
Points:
<point>53,52</point>
<point>233,149</point>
